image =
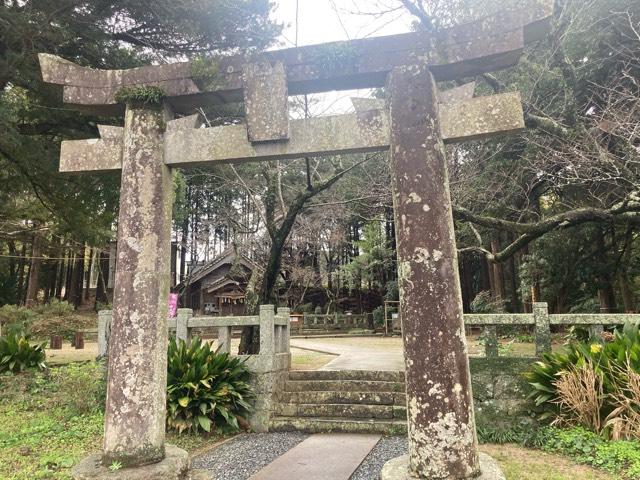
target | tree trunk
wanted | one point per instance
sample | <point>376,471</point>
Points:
<point>34,270</point>
<point>103,272</point>
<point>497,287</point>
<point>21,273</point>
<point>80,279</point>
<point>626,290</point>
<point>62,273</point>
<point>70,280</point>
<point>87,275</point>
<point>606,295</point>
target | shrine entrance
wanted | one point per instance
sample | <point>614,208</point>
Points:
<point>414,123</point>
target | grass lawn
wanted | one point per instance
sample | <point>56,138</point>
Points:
<point>49,422</point>
<point>524,464</point>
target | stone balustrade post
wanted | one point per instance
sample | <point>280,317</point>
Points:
<point>285,331</point>
<point>104,326</point>
<point>542,327</point>
<point>277,338</point>
<point>224,339</point>
<point>183,332</point>
<point>491,341</point>
<point>596,330</point>
<point>267,330</point>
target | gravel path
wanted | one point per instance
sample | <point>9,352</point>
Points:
<point>386,449</point>
<point>245,455</point>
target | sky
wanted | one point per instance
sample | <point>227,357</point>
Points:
<point>321,21</point>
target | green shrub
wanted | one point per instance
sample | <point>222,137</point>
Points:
<point>66,326</point>
<point>57,308</point>
<point>17,354</point>
<point>16,319</point>
<point>378,315</point>
<point>616,365</point>
<point>205,389</point>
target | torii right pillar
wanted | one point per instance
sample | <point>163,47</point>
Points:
<point>442,434</point>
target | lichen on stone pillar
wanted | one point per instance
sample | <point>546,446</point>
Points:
<point>442,436</point>
<point>136,397</point>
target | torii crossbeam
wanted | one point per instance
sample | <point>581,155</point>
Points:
<point>413,124</point>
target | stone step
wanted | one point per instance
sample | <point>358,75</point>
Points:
<point>337,424</point>
<point>384,376</point>
<point>365,398</point>
<point>340,410</point>
<point>343,386</point>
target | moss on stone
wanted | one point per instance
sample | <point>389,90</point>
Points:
<point>140,95</point>
<point>205,72</point>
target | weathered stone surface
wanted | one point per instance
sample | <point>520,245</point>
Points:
<point>93,154</point>
<point>197,474</point>
<point>312,136</point>
<point>185,123</point>
<point>398,469</point>
<point>498,319</point>
<point>174,466</point>
<point>486,44</point>
<point>135,410</point>
<point>542,328</point>
<point>266,101</point>
<point>308,460</point>
<point>93,87</point>
<point>379,375</point>
<point>457,94</point>
<point>593,318</point>
<point>482,117</point>
<point>442,437</point>
<point>490,337</point>
<point>339,410</point>
<point>327,425</point>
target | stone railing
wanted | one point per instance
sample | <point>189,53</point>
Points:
<point>334,321</point>
<point>542,321</point>
<point>269,366</point>
<point>274,328</point>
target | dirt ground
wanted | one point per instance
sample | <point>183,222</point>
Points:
<point>300,359</point>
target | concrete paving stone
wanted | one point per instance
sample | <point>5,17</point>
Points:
<point>321,457</point>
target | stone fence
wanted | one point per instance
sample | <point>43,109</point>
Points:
<point>334,321</point>
<point>269,366</point>
<point>274,328</point>
<point>542,322</point>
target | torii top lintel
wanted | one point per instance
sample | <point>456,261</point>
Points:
<point>484,45</point>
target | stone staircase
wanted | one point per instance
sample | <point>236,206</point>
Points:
<point>354,401</point>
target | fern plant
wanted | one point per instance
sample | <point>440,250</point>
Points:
<point>205,389</point>
<point>17,354</point>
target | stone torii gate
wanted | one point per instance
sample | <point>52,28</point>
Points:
<point>413,125</point>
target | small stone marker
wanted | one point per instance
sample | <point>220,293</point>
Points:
<point>331,456</point>
<point>78,341</point>
<point>55,342</point>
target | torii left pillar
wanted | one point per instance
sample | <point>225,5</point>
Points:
<point>135,413</point>
<point>136,398</point>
